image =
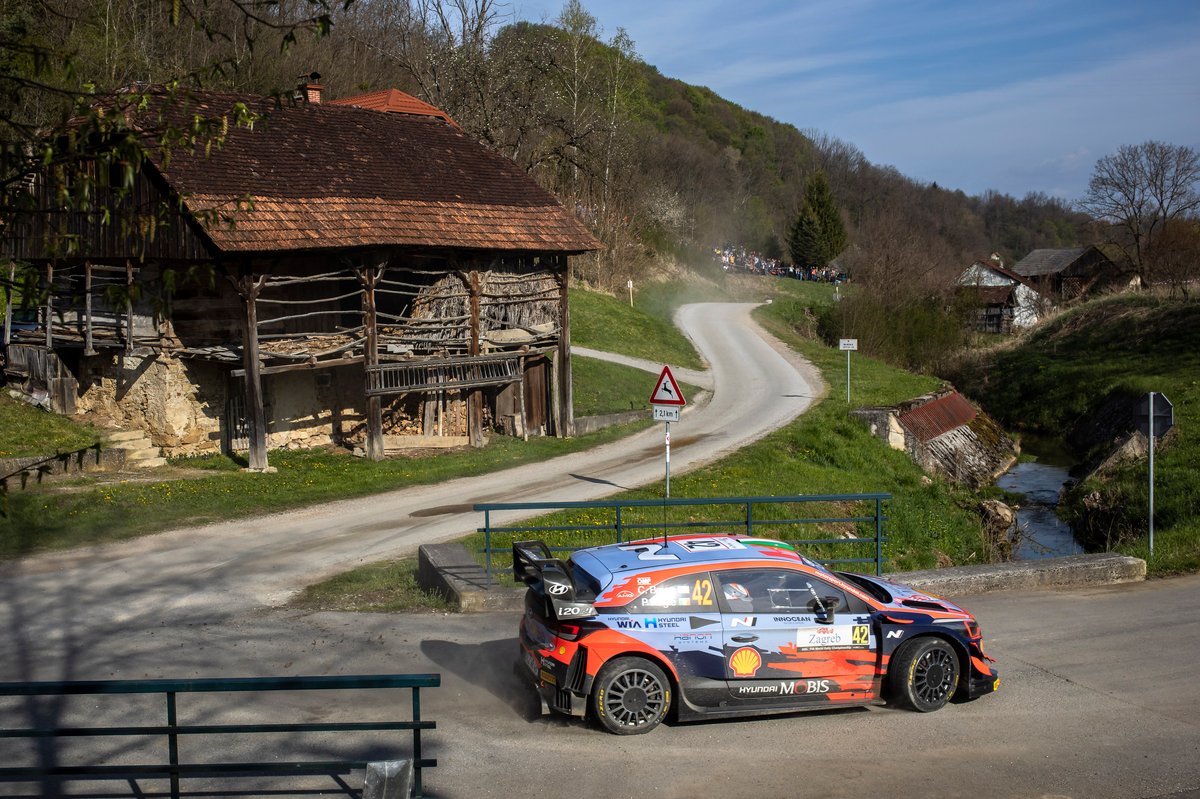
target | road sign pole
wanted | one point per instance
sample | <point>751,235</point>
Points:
<point>847,377</point>
<point>668,460</point>
<point>1151,437</point>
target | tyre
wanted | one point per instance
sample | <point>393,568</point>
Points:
<point>630,696</point>
<point>924,675</point>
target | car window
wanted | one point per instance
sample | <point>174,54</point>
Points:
<point>778,590</point>
<point>691,591</point>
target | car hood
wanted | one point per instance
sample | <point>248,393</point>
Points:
<point>905,597</point>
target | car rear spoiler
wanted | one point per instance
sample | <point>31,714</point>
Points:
<point>535,565</point>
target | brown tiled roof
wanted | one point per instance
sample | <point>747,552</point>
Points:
<point>322,176</point>
<point>394,101</point>
<point>939,416</point>
<point>992,295</point>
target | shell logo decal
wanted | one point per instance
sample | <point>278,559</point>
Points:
<point>745,662</point>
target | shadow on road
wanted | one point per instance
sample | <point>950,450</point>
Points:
<point>491,666</point>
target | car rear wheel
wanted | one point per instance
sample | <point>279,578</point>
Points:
<point>630,696</point>
<point>924,675</point>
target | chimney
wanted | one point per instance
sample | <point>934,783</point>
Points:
<point>310,88</point>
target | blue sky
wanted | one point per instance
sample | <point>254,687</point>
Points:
<point>1009,95</point>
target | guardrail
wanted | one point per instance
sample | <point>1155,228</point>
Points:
<point>616,528</point>
<point>175,768</point>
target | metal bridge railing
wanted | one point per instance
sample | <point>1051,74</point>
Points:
<point>620,528</point>
<point>177,766</point>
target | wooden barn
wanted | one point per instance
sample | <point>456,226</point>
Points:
<point>323,274</point>
<point>1069,273</point>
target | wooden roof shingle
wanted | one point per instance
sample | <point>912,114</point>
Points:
<point>322,176</point>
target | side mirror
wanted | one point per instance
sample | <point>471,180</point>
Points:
<point>825,608</point>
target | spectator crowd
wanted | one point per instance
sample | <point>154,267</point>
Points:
<point>739,259</point>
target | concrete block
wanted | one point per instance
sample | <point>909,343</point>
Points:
<point>1028,575</point>
<point>450,570</point>
<point>389,779</point>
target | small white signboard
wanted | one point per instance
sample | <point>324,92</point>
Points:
<point>666,413</point>
<point>848,344</point>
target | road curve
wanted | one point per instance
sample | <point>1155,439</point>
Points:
<point>758,386</point>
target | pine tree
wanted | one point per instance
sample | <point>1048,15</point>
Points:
<point>818,235</point>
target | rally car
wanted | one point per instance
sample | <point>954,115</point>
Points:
<point>718,626</point>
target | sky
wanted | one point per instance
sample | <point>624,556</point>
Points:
<point>1010,95</point>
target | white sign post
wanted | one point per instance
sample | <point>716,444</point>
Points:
<point>848,345</point>
<point>667,400</point>
<point>629,285</point>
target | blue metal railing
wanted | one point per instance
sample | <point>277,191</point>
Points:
<point>615,531</point>
<point>174,769</point>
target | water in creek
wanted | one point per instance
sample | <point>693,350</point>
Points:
<point>1043,534</point>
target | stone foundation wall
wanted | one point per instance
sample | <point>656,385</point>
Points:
<point>178,403</point>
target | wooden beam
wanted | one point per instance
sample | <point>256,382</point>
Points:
<point>49,306</point>
<point>129,304</point>
<point>369,277</point>
<point>88,349</point>
<point>249,287</point>
<point>474,396</point>
<point>299,367</point>
<point>8,292</point>
<point>566,407</point>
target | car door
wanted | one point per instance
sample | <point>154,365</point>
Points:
<point>680,618</point>
<point>791,636</point>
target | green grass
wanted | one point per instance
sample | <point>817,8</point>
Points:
<point>62,515</point>
<point>376,588</point>
<point>610,324</point>
<point>27,431</point>
<point>601,387</point>
<point>1055,382</point>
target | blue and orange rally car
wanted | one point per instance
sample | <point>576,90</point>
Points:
<point>721,626</point>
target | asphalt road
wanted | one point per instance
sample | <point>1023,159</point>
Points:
<point>1098,700</point>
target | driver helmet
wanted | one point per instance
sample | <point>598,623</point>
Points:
<point>736,592</point>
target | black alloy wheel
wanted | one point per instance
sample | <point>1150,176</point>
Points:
<point>924,675</point>
<point>630,696</point>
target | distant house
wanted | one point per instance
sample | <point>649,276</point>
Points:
<point>363,274</point>
<point>1065,274</point>
<point>1004,300</point>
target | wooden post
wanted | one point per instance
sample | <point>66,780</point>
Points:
<point>49,306</point>
<point>8,292</point>
<point>250,287</point>
<point>88,349</point>
<point>129,318</point>
<point>474,395</point>
<point>566,406</point>
<point>521,391</point>
<point>368,277</point>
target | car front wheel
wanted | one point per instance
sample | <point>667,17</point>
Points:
<point>924,675</point>
<point>630,696</point>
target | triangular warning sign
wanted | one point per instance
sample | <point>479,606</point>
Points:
<point>666,391</point>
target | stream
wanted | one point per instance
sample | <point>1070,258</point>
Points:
<point>1043,534</point>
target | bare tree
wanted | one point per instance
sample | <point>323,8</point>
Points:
<point>1174,256</point>
<point>1137,189</point>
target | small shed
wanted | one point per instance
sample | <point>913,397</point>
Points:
<point>1066,274</point>
<point>318,274</point>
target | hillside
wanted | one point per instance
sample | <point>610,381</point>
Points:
<point>1078,378</point>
